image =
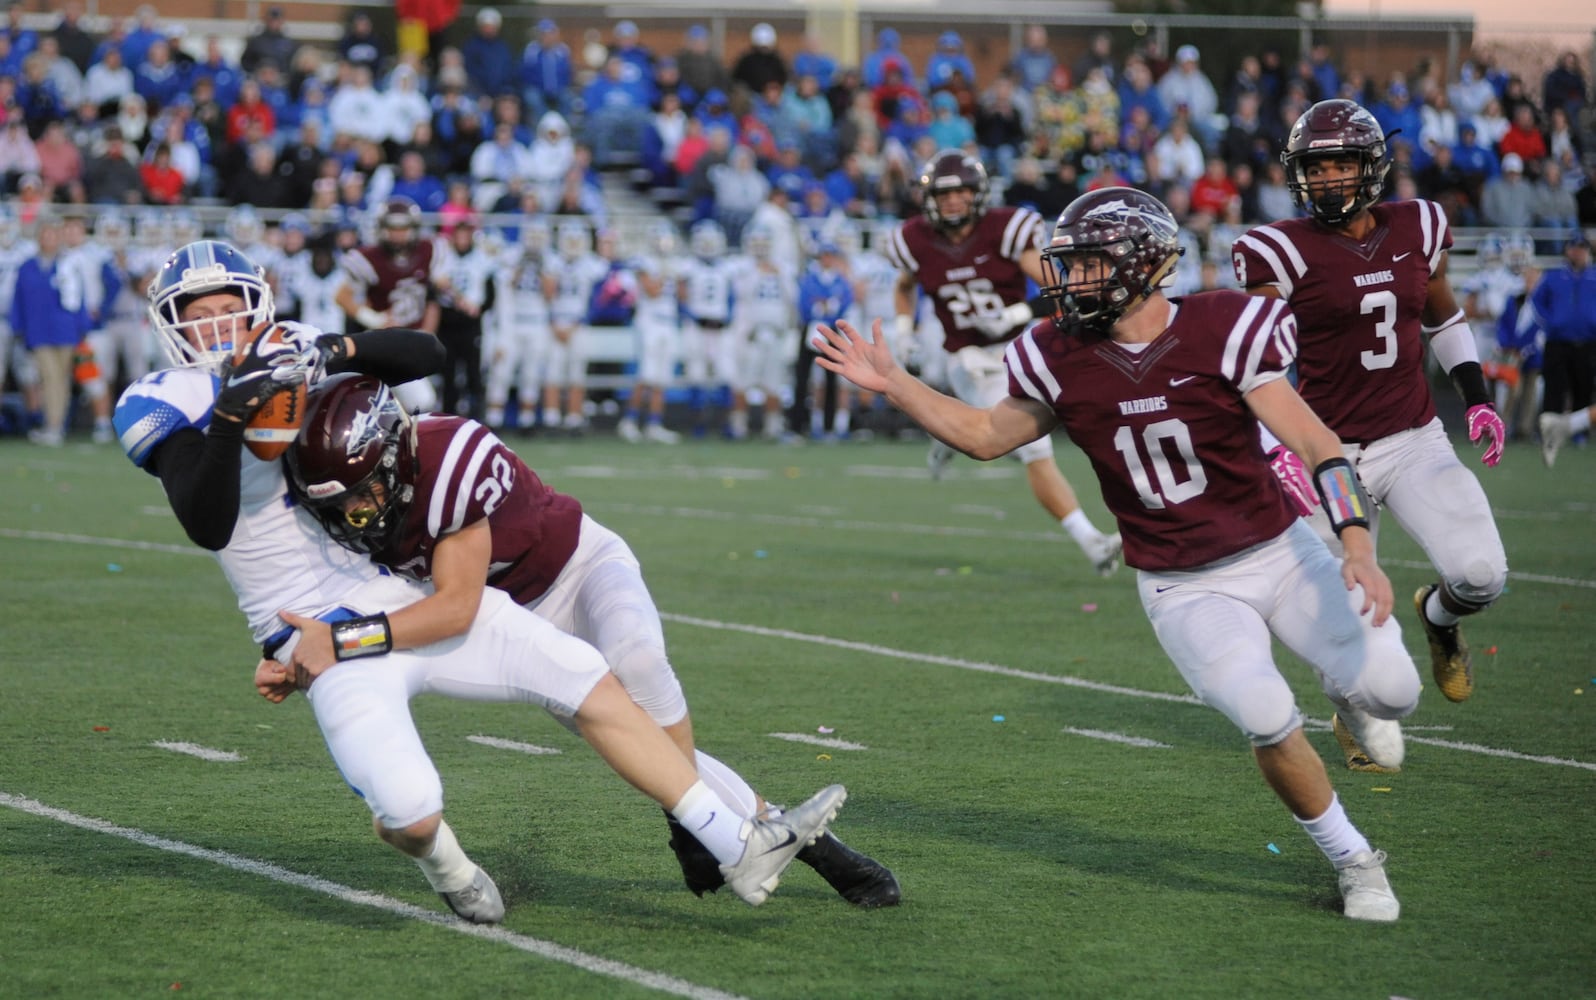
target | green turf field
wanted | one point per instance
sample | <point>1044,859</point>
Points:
<point>952,639</point>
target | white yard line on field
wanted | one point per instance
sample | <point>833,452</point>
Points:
<point>527,748</point>
<point>819,741</point>
<point>1135,741</point>
<point>203,753</point>
<point>438,918</point>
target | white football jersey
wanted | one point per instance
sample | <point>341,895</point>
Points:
<point>766,299</point>
<point>279,556</point>
<point>660,310</point>
<point>318,299</point>
<point>574,278</point>
<point>11,260</point>
<point>707,289</point>
<point>468,274</point>
<point>876,280</point>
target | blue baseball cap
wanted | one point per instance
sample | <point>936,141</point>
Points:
<point>547,25</point>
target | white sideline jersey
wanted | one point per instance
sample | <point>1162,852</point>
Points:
<point>278,556</point>
<point>706,287</point>
<point>11,260</point>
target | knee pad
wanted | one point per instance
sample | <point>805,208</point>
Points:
<point>642,667</point>
<point>1265,710</point>
<point>1481,584</point>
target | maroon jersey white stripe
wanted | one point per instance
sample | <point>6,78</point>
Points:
<point>976,278</point>
<point>1174,446</point>
<point>1359,308</point>
<point>463,473</point>
<point>398,284</point>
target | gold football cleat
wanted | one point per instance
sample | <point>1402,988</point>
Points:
<point>1449,654</point>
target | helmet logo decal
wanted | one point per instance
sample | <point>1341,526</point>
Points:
<point>365,427</point>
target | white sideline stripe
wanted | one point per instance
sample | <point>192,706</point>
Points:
<point>1135,741</point>
<point>195,750</point>
<point>946,661</point>
<point>819,741</point>
<point>992,668</point>
<point>543,949</point>
<point>115,543</point>
<point>530,748</point>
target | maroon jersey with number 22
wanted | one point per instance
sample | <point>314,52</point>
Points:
<point>1175,448</point>
<point>463,473</point>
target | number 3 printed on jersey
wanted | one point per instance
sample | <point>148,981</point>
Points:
<point>1385,303</point>
<point>1164,486</point>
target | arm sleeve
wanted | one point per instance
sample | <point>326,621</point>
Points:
<point>200,472</point>
<point>395,356</point>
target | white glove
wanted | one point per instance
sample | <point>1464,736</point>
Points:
<point>996,326</point>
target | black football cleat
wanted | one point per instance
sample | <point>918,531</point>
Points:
<point>862,881</point>
<point>700,868</point>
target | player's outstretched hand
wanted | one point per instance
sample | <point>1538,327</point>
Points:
<point>1484,423</point>
<point>865,362</point>
<point>1358,569</point>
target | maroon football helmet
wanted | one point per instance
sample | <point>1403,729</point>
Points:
<point>398,224</point>
<point>349,464</point>
<point>1134,234</point>
<point>951,170</point>
<point>1336,128</point>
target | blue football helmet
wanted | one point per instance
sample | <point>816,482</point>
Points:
<point>206,267</point>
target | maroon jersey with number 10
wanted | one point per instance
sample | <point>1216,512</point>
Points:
<point>1174,446</point>
<point>1359,307</point>
<point>463,473</point>
<point>979,277</point>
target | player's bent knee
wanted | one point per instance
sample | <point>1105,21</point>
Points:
<point>1265,710</point>
<point>645,671</point>
<point>1482,582</point>
<point>1389,686</point>
<point>407,798</point>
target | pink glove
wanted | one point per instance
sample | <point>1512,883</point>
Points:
<point>1483,422</point>
<point>1293,475</point>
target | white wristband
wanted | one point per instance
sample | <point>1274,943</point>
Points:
<point>370,318</point>
<point>1019,312</point>
<point>904,325</point>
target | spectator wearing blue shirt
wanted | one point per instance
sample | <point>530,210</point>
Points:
<point>416,184</point>
<point>630,51</point>
<point>144,33</point>
<point>874,70</point>
<point>49,316</point>
<point>1565,305</point>
<point>157,79</point>
<point>546,72</point>
<point>948,57</point>
<point>1033,64</point>
<point>489,63</point>
<point>825,294</point>
<point>1137,90</point>
<point>714,112</point>
<point>617,105</point>
<point>1398,113</point>
<point>225,77</point>
<point>814,61</point>
<point>789,172</point>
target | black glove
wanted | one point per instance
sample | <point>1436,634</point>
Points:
<point>268,367</point>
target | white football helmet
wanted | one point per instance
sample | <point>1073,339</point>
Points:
<point>150,230</point>
<point>573,240</point>
<point>206,267</point>
<point>663,238</point>
<point>759,242</point>
<point>707,239</point>
<point>535,235</point>
<point>244,228</point>
<point>1518,252</point>
<point>186,228</point>
<point>848,239</point>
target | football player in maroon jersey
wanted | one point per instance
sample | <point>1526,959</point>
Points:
<point>1365,280</point>
<point>389,283</point>
<point>440,498</point>
<point>972,262</point>
<point>1164,397</point>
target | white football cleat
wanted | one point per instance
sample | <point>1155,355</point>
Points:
<point>1554,434</point>
<point>938,459</point>
<point>1379,739</point>
<point>1365,891</point>
<point>770,845</point>
<point>628,431</point>
<point>660,434</point>
<point>478,902</point>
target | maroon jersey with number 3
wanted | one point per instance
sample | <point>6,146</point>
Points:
<point>979,277</point>
<point>1174,446</point>
<point>463,473</point>
<point>398,284</point>
<point>1358,306</point>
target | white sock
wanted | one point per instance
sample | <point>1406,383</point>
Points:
<point>728,784</point>
<point>447,867</point>
<point>1334,833</point>
<point>843,422</point>
<point>708,817</point>
<point>495,416</point>
<point>1080,528</point>
<point>1579,421</point>
<point>551,417</point>
<point>1436,612</point>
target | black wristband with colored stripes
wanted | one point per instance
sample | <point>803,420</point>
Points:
<point>357,637</point>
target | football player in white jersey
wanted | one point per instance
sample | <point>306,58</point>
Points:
<point>709,355</point>
<point>100,282</point>
<point>185,424</point>
<point>287,271</point>
<point>14,252</point>
<point>659,331</point>
<point>247,233</point>
<point>765,325</point>
<point>516,345</point>
<point>568,283</point>
<point>127,326</point>
<point>316,286</point>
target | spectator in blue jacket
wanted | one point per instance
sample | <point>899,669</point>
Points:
<point>48,314</point>
<point>488,61</point>
<point>825,294</point>
<point>546,72</point>
<point>158,79</point>
<point>948,57</point>
<point>813,60</point>
<point>1565,304</point>
<point>225,77</point>
<point>144,32</point>
<point>874,69</point>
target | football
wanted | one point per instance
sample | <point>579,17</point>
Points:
<point>274,426</point>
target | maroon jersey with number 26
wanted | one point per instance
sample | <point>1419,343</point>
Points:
<point>1175,448</point>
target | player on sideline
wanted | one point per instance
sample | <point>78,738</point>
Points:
<point>972,262</point>
<point>185,425</point>
<point>1365,281</point>
<point>1164,397</point>
<point>441,500</point>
